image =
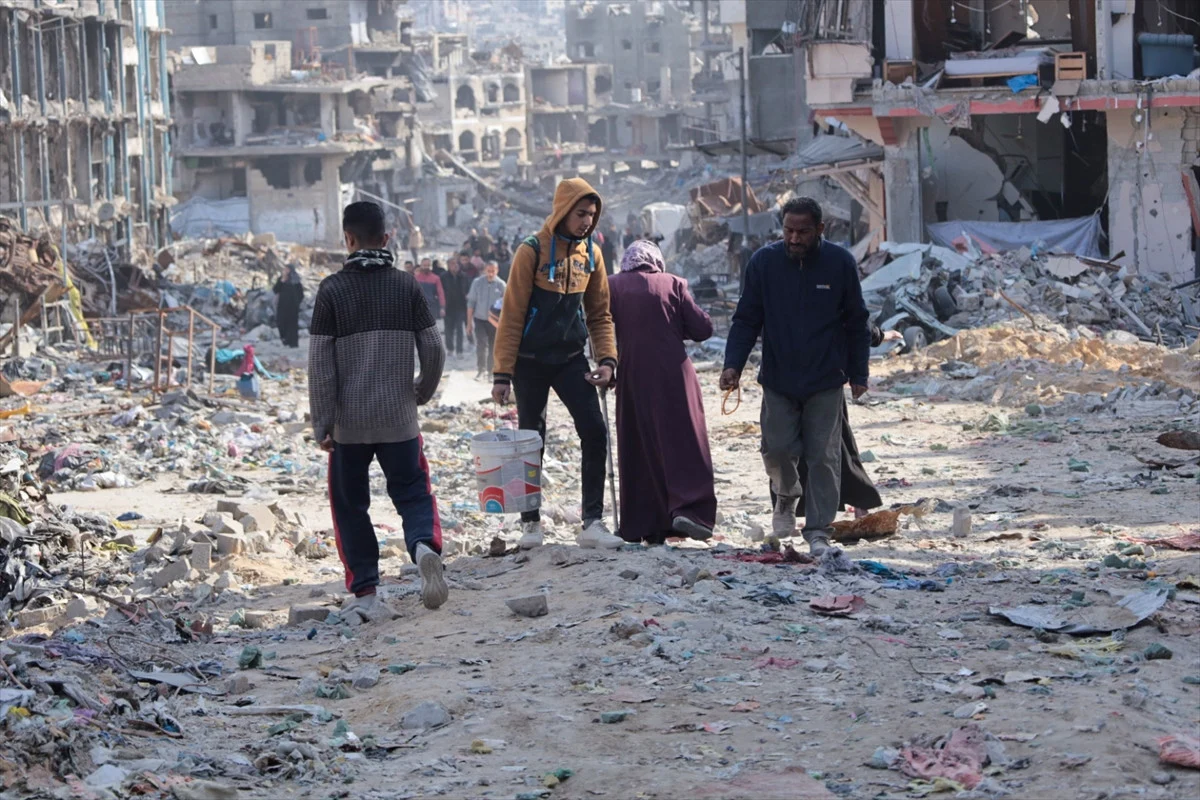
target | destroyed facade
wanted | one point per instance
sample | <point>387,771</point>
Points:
<point>1021,112</point>
<point>85,109</point>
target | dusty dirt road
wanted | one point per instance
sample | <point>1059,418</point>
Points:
<point>678,671</point>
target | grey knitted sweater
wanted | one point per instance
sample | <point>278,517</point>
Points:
<point>368,321</point>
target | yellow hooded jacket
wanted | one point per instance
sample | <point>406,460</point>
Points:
<point>557,295</point>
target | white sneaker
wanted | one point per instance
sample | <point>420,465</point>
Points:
<point>434,590</point>
<point>597,535</point>
<point>531,535</point>
<point>783,520</point>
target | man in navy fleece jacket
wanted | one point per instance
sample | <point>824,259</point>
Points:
<point>803,296</point>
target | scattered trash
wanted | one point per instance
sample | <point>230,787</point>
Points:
<point>1180,749</point>
<point>960,758</point>
<point>838,606</point>
<point>1127,613</point>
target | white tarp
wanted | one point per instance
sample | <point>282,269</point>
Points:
<point>200,218</point>
<point>1080,236</point>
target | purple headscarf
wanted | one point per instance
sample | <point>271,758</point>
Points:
<point>643,256</point>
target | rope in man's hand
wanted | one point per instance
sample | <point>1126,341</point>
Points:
<point>725,402</point>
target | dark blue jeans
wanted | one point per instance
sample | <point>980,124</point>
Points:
<point>409,486</point>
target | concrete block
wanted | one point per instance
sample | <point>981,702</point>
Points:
<point>298,615</point>
<point>258,542</point>
<point>126,540</point>
<point>202,556</point>
<point>257,518</point>
<point>222,522</point>
<point>228,506</point>
<point>175,571</point>
<point>37,616</point>
<point>231,543</point>
<point>257,619</point>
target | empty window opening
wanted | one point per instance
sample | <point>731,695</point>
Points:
<point>212,21</point>
<point>262,20</point>
<point>512,138</point>
<point>276,171</point>
<point>603,84</point>
<point>466,141</point>
<point>512,94</point>
<point>653,47</point>
<point>493,93</point>
<point>318,13</point>
<point>269,52</point>
<point>465,97</point>
<point>626,44</point>
<point>312,171</point>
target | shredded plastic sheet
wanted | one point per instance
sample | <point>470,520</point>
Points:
<point>960,759</point>
<point>1180,749</point>
<point>1079,235</point>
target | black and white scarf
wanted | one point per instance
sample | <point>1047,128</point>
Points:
<point>369,260</point>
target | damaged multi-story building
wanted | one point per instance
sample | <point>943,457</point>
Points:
<point>649,45</point>
<point>1080,115</point>
<point>286,111</point>
<point>85,143</point>
<point>568,105</point>
<point>477,111</point>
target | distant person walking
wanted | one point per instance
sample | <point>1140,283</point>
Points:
<point>803,296</point>
<point>289,292</point>
<point>666,467</point>
<point>483,313</point>
<point>455,285</point>
<point>416,243</point>
<point>368,321</point>
<point>431,286</point>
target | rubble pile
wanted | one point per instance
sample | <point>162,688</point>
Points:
<point>1020,362</point>
<point>941,291</point>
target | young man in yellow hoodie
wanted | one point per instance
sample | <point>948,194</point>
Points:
<point>557,297</point>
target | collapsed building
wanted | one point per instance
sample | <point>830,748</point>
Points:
<point>649,44</point>
<point>85,140</point>
<point>1042,114</point>
<point>273,150</point>
<point>284,118</point>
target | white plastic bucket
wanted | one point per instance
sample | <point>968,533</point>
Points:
<point>508,470</point>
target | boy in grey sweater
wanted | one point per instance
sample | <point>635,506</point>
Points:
<point>368,321</point>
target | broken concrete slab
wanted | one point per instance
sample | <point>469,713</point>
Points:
<point>426,716</point>
<point>255,518</point>
<point>298,615</point>
<point>231,544</point>
<point>222,522</point>
<point>533,605</point>
<point>175,571</point>
<point>201,557</point>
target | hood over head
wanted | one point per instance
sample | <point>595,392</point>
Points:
<point>566,195</point>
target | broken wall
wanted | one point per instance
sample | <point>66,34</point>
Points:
<point>307,213</point>
<point>1148,215</point>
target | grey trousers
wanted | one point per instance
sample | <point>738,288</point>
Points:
<point>810,429</point>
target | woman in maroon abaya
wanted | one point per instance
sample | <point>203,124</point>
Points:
<point>666,467</point>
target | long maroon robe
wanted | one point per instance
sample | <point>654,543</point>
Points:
<point>666,467</point>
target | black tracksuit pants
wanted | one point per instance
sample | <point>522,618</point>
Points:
<point>532,382</point>
<point>411,490</point>
<point>456,320</point>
